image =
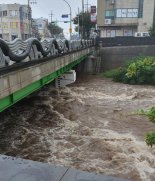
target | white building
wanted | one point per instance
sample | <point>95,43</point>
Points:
<point>42,24</point>
<point>15,21</point>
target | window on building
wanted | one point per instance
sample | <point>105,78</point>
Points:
<point>40,25</point>
<point>4,13</point>
<point>24,15</point>
<point>13,13</point>
<point>135,13</point>
<point>109,14</point>
<point>127,13</point>
<point>26,26</point>
<point>14,25</point>
<point>110,33</point>
<point>118,13</point>
<point>127,32</point>
<point>124,13</point>
<point>4,25</point>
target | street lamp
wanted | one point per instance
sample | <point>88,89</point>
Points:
<point>82,34</point>
<point>29,13</point>
<point>70,29</point>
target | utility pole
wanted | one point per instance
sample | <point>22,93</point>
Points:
<point>29,18</point>
<point>82,31</point>
<point>78,22</point>
<point>87,5</point>
<point>83,6</point>
<point>30,14</point>
<point>51,16</point>
<point>70,28</point>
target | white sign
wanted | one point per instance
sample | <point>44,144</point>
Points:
<point>119,13</point>
<point>93,18</point>
<point>124,13</point>
<point>127,13</point>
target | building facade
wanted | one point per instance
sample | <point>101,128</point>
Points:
<point>124,17</point>
<point>15,21</point>
<point>35,31</point>
<point>42,25</point>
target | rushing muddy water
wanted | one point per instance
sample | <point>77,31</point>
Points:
<point>90,126</point>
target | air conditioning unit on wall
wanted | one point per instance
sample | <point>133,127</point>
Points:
<point>107,21</point>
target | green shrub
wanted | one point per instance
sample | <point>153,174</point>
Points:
<point>150,137</point>
<point>140,70</point>
<point>150,114</point>
<point>110,73</point>
<point>116,74</point>
<point>120,75</point>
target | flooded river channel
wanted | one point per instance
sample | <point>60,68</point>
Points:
<point>89,125</point>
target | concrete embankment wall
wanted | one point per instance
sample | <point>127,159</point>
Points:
<point>114,57</point>
<point>92,63</point>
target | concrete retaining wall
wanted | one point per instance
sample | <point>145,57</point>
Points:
<point>91,65</point>
<point>114,57</point>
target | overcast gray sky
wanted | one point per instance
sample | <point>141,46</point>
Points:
<point>43,8</point>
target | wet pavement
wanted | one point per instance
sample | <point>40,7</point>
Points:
<point>16,169</point>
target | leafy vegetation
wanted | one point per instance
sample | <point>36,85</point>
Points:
<point>150,137</point>
<point>85,21</point>
<point>54,29</point>
<point>150,114</point>
<point>140,70</point>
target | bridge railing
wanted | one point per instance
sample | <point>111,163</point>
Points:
<point>20,80</point>
<point>33,49</point>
